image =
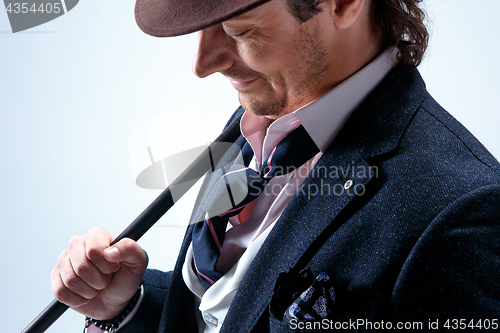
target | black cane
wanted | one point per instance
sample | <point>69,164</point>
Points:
<point>203,163</point>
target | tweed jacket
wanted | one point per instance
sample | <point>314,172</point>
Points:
<point>419,240</point>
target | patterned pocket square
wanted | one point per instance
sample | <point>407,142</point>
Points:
<point>302,296</point>
<point>315,303</point>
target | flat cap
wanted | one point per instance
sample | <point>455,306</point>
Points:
<point>167,18</point>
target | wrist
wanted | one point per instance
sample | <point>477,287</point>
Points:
<point>112,325</point>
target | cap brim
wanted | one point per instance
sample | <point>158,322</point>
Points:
<point>168,18</point>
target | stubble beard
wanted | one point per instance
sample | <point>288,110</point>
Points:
<point>276,102</point>
<point>271,104</point>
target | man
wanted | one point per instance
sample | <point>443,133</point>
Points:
<point>390,220</point>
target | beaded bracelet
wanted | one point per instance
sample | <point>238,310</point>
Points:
<point>112,325</point>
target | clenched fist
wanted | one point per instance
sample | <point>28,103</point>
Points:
<point>97,279</point>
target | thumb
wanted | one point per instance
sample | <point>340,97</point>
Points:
<point>133,261</point>
<point>128,253</point>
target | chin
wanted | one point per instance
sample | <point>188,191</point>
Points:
<point>272,107</point>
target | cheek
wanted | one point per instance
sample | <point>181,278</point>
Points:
<point>267,58</point>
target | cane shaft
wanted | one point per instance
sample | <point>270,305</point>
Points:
<point>148,217</point>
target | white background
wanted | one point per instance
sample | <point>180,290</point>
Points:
<point>72,91</point>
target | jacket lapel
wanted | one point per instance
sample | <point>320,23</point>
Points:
<point>338,180</point>
<point>177,315</point>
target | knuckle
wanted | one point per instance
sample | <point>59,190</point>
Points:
<point>73,241</point>
<point>93,254</point>
<point>125,246</point>
<point>95,229</point>
<point>132,249</point>
<point>128,243</point>
<point>71,282</point>
<point>62,257</point>
<point>60,293</point>
<point>83,271</point>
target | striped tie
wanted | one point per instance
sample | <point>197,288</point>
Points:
<point>236,189</point>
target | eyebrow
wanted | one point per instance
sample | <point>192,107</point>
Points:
<point>243,16</point>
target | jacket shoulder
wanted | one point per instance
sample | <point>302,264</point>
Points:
<point>469,141</point>
<point>435,144</point>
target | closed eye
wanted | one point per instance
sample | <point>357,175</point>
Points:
<point>236,35</point>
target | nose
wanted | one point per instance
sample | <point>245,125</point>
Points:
<point>213,53</point>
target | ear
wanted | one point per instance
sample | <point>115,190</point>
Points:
<point>344,12</point>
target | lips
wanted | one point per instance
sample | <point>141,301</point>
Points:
<point>241,84</point>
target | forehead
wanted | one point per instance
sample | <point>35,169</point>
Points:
<point>264,11</point>
<point>245,16</point>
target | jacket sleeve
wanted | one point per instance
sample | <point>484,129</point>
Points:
<point>147,318</point>
<point>452,271</point>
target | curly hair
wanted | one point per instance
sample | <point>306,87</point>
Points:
<point>400,22</point>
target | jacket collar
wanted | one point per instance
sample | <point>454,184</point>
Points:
<point>373,130</point>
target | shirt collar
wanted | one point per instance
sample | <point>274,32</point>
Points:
<point>324,117</point>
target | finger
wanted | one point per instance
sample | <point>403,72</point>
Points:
<point>96,241</point>
<point>72,281</point>
<point>133,260</point>
<point>63,294</point>
<point>129,254</point>
<point>86,270</point>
